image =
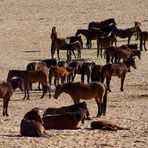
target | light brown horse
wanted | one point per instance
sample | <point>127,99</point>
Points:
<point>116,69</point>
<point>30,77</point>
<point>79,90</point>
<point>143,39</point>
<point>58,73</point>
<point>6,91</point>
<point>105,42</point>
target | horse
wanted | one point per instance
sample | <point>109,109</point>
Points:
<point>89,35</point>
<point>30,77</point>
<point>71,47</point>
<point>59,42</point>
<point>119,69</point>
<point>106,125</point>
<point>96,73</point>
<point>64,109</point>
<point>143,39</point>
<point>106,22</point>
<point>105,42</point>
<point>86,69</point>
<point>6,91</point>
<point>53,35</point>
<point>126,33</point>
<point>131,49</point>
<point>31,124</point>
<point>126,54</point>
<point>34,66</point>
<point>67,120</point>
<point>57,72</point>
<point>79,90</point>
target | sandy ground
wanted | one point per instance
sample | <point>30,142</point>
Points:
<point>25,28</point>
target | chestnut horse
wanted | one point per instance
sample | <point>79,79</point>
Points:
<point>30,77</point>
<point>116,69</point>
<point>6,91</point>
<point>79,90</point>
<point>143,39</point>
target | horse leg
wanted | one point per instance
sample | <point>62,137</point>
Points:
<point>88,78</point>
<point>27,93</point>
<point>74,53</point>
<point>108,84</point>
<point>5,106</point>
<point>122,82</point>
<point>145,45</point>
<point>129,38</point>
<point>58,53</point>
<point>44,90</point>
<point>99,108</point>
<point>52,53</point>
<point>82,77</point>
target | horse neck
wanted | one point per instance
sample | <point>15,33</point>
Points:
<point>66,88</point>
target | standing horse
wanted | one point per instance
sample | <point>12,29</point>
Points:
<point>126,33</point>
<point>143,39</point>
<point>79,90</point>
<point>6,91</point>
<point>89,35</point>
<point>116,69</point>
<point>30,77</point>
<point>106,22</point>
<point>53,35</point>
<point>105,42</point>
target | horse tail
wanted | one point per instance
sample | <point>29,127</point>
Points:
<point>104,101</point>
<point>141,40</point>
<point>107,55</point>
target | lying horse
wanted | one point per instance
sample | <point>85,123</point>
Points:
<point>71,108</point>
<point>31,124</point>
<point>143,39</point>
<point>30,77</point>
<point>6,91</point>
<point>116,69</point>
<point>78,90</point>
<point>106,125</point>
<point>68,120</point>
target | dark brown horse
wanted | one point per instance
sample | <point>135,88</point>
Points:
<point>96,73</point>
<point>6,91</point>
<point>53,35</point>
<point>107,22</point>
<point>79,90</point>
<point>67,120</point>
<point>64,109</point>
<point>89,35</point>
<point>105,42</point>
<point>30,77</point>
<point>116,69</point>
<point>126,33</point>
<point>143,39</point>
<point>31,124</point>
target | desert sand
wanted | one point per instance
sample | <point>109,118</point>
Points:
<point>25,28</point>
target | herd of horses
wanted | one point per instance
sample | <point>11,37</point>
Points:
<point>118,59</point>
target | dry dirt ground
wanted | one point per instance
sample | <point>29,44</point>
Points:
<point>25,28</point>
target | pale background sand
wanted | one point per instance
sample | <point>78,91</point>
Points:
<point>25,28</point>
